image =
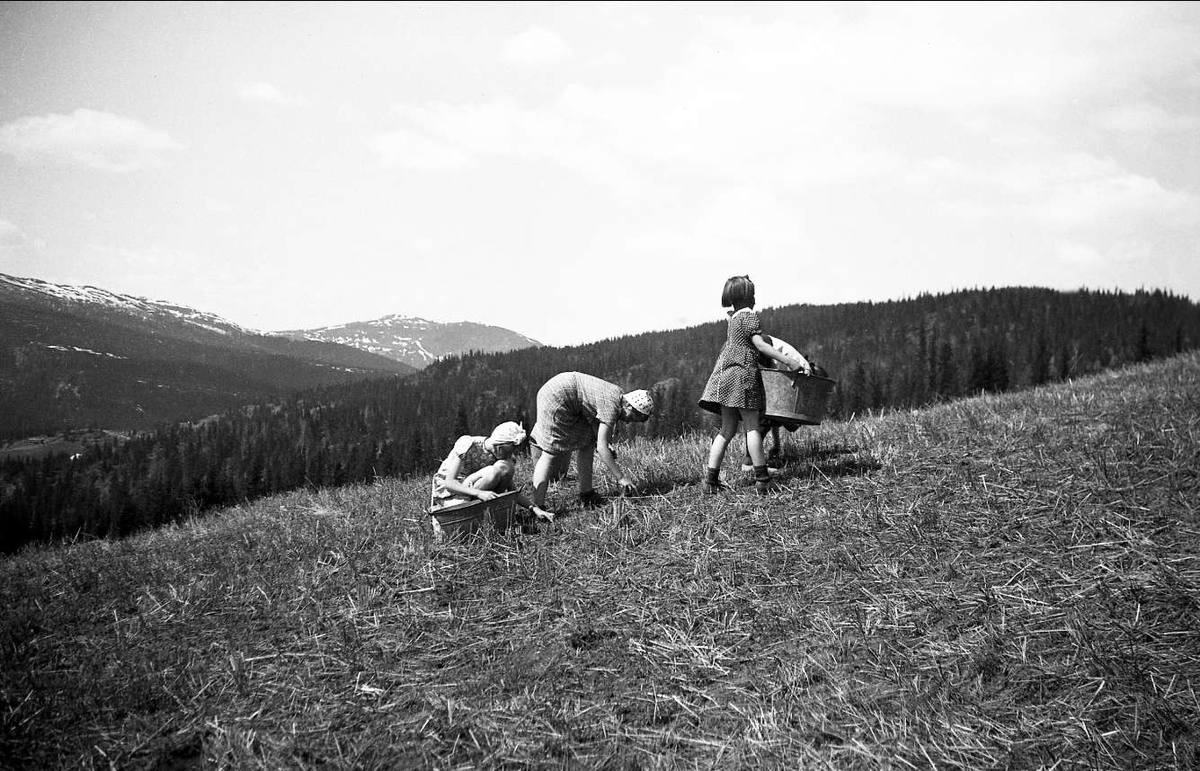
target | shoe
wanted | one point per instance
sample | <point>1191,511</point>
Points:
<point>591,499</point>
<point>714,489</point>
<point>767,486</point>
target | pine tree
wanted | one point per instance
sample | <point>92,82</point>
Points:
<point>1040,360</point>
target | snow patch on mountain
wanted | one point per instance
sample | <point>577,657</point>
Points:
<point>77,349</point>
<point>412,340</point>
<point>140,306</point>
<point>415,340</point>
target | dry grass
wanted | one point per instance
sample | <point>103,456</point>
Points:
<point>1001,582</point>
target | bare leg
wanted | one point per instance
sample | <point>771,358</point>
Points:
<point>541,478</point>
<point>764,423</point>
<point>716,455</point>
<point>754,442</point>
<point>585,458</point>
<point>491,477</point>
<point>729,424</point>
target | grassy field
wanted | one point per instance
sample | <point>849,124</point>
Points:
<point>1001,582</point>
<point>66,443</point>
<point>38,448</point>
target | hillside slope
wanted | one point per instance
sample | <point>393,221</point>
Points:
<point>1007,581</point>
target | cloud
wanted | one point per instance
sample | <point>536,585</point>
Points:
<point>747,213</point>
<point>966,123</point>
<point>1063,191</point>
<point>141,272</point>
<point>536,45</point>
<point>1082,191</point>
<point>497,127</point>
<point>10,233</point>
<point>1076,254</point>
<point>446,137</point>
<point>21,254</point>
<point>87,138</point>
<point>268,93</point>
<point>402,147</point>
<point>1148,119</point>
<point>958,58</point>
<point>835,78</point>
<point>814,100</point>
<point>349,114</point>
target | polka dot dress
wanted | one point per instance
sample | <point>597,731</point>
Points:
<point>735,380</point>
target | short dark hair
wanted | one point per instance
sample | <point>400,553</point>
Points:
<point>739,290</point>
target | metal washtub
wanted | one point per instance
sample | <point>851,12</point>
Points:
<point>795,399</point>
<point>468,519</point>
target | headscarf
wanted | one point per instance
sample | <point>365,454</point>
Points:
<point>507,433</point>
<point>641,401</point>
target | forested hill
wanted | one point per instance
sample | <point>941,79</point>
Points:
<point>892,354</point>
<point>900,353</point>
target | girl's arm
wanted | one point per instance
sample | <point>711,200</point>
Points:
<point>498,479</point>
<point>769,351</point>
<point>605,452</point>
<point>540,513</point>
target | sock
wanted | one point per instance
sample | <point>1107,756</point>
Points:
<point>714,476</point>
<point>761,474</point>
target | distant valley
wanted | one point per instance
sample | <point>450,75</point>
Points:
<point>81,357</point>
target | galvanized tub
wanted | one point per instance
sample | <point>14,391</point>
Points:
<point>470,518</point>
<point>795,399</point>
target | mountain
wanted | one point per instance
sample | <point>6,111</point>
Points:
<point>415,341</point>
<point>78,356</point>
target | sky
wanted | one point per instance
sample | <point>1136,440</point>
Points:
<point>581,171</point>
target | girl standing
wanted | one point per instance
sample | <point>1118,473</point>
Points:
<point>735,388</point>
